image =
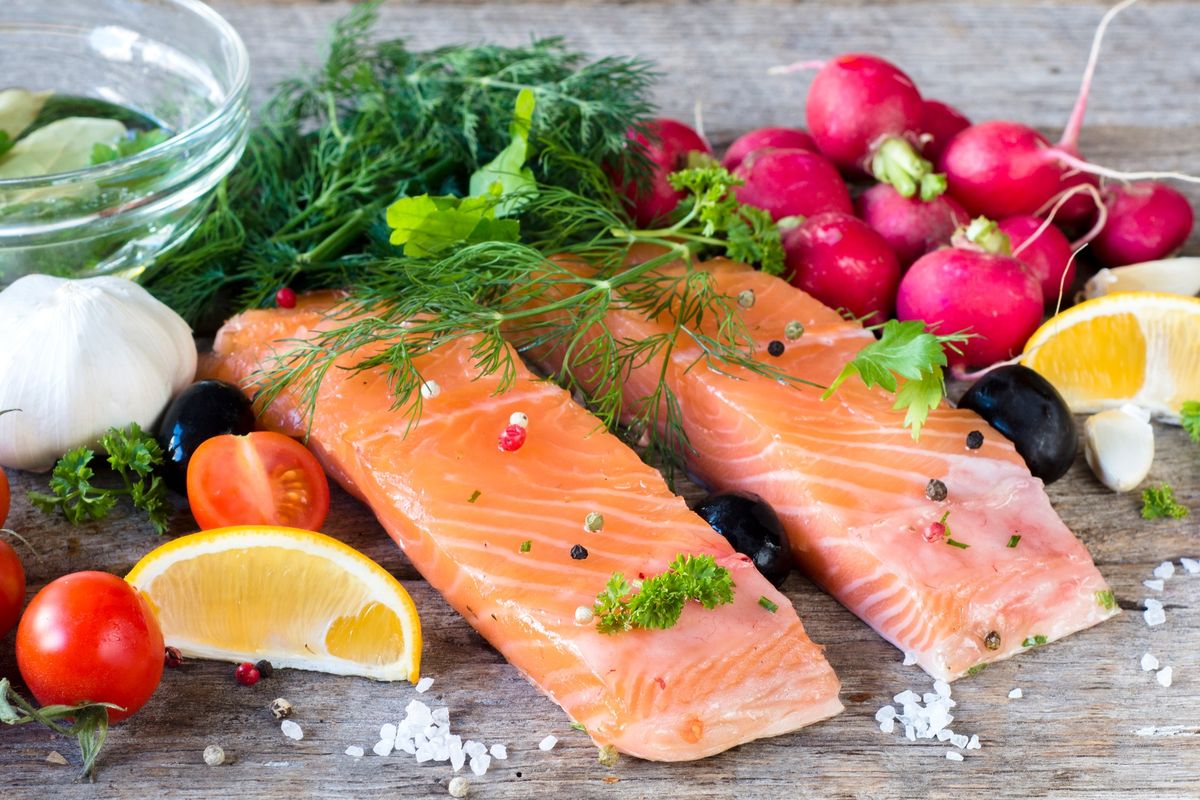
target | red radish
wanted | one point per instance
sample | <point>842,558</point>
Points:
<point>1044,250</point>
<point>842,262</point>
<point>1001,169</point>
<point>910,226</point>
<point>668,145</point>
<point>974,287</point>
<point>792,183</point>
<point>939,123</point>
<point>1146,221</point>
<point>865,115</point>
<point>763,138</point>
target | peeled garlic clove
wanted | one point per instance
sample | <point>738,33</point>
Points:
<point>1119,446</point>
<point>1170,275</point>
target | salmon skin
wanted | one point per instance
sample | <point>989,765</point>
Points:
<point>461,509</point>
<point>849,484</point>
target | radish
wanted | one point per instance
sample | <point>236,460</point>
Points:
<point>669,145</point>
<point>844,263</point>
<point>974,286</point>
<point>1146,221</point>
<point>910,226</point>
<point>763,138</point>
<point>939,123</point>
<point>792,183</point>
<point>1044,250</point>
<point>865,115</point>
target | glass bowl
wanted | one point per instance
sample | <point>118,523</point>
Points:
<point>176,62</point>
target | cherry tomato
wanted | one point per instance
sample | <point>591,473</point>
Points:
<point>12,585</point>
<point>90,637</point>
<point>262,478</point>
<point>5,497</point>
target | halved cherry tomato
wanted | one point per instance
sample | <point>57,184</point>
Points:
<point>12,587</point>
<point>90,637</point>
<point>262,478</point>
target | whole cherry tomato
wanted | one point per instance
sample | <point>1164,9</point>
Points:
<point>90,637</point>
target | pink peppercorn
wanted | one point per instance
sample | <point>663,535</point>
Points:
<point>512,438</point>
<point>286,297</point>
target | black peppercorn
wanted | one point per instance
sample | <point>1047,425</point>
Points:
<point>992,641</point>
<point>974,440</point>
<point>935,490</point>
<point>264,668</point>
<point>775,348</point>
<point>579,552</point>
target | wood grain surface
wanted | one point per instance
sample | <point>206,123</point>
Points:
<point>1073,733</point>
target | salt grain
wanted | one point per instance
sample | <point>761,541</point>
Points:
<point>1156,585</point>
<point>498,751</point>
<point>959,741</point>
<point>547,743</point>
<point>1016,694</point>
<point>942,688</point>
<point>291,730</point>
<point>1154,614</point>
<point>441,716</point>
<point>974,744</point>
<point>423,685</point>
<point>354,751</point>
<point>384,747</point>
<point>888,725</point>
<point>475,749</point>
<point>887,712</point>
<point>480,764</point>
<point>388,732</point>
<point>1149,662</point>
<point>953,756</point>
<point>910,659</point>
<point>1164,570</point>
<point>1163,676</point>
<point>1191,565</point>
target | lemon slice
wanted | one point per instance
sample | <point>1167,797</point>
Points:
<point>1133,347</point>
<point>296,598</point>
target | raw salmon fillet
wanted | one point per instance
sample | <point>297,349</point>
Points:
<point>461,508</point>
<point>848,482</point>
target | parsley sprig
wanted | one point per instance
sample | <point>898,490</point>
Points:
<point>904,350</point>
<point>133,455</point>
<point>1159,501</point>
<point>1189,417</point>
<point>660,601</point>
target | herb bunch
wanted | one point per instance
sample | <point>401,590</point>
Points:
<point>661,598</point>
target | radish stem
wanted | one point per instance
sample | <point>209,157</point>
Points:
<point>1070,137</point>
<point>1077,163</point>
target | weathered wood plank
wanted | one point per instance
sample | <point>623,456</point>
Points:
<point>1072,734</point>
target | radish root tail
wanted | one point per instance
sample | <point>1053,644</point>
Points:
<point>797,66</point>
<point>1070,137</point>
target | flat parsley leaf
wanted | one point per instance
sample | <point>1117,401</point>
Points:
<point>661,598</point>
<point>1189,417</point>
<point>506,177</point>
<point>133,454</point>
<point>904,350</point>
<point>1159,501</point>
<point>712,212</point>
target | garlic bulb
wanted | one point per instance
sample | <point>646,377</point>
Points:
<point>81,356</point>
<point>1180,275</point>
<point>1119,446</point>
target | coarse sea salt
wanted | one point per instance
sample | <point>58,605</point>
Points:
<point>953,756</point>
<point>423,685</point>
<point>1149,662</point>
<point>1016,694</point>
<point>424,733</point>
<point>1164,570</point>
<point>924,716</point>
<point>1163,676</point>
<point>384,747</point>
<point>498,751</point>
<point>291,730</point>
<point>1156,585</point>
<point>1190,565</point>
<point>910,659</point>
<point>548,743</point>
<point>1154,614</point>
<point>354,751</point>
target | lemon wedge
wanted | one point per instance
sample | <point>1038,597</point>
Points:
<point>295,598</point>
<point>1134,347</point>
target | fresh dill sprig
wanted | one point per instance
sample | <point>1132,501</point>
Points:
<point>660,600</point>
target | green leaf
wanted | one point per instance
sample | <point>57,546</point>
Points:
<point>128,145</point>
<point>918,398</point>
<point>1189,417</point>
<point>661,598</point>
<point>6,143</point>
<point>18,110</point>
<point>61,146</point>
<point>505,177</point>
<point>1106,599</point>
<point>1159,501</point>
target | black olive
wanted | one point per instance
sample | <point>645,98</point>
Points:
<point>1023,406</point>
<point>200,412</point>
<point>752,528</point>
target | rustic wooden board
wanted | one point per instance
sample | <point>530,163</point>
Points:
<point>1072,736</point>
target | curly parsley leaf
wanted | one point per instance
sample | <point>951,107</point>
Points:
<point>904,350</point>
<point>713,216</point>
<point>661,598</point>
<point>133,455</point>
<point>1189,417</point>
<point>1159,501</point>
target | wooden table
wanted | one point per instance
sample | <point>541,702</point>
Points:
<point>1072,735</point>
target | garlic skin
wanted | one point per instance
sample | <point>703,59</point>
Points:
<point>1119,446</point>
<point>81,356</point>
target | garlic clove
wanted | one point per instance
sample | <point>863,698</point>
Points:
<point>1170,275</point>
<point>1119,446</point>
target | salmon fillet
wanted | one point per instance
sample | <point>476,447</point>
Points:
<point>460,508</point>
<point>848,482</point>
